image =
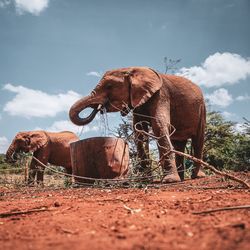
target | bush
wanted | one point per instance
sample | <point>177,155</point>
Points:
<point>225,147</point>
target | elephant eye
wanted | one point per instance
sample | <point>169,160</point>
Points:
<point>27,141</point>
<point>109,85</point>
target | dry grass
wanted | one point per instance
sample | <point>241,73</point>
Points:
<point>18,180</point>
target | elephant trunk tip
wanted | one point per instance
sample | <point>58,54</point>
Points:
<point>77,108</point>
<point>10,155</point>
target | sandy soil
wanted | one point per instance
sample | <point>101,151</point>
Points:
<point>152,218</point>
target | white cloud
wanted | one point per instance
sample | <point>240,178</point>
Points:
<point>239,127</point>
<point>94,73</point>
<point>4,143</point>
<point>35,103</point>
<point>65,125</point>
<point>34,7</point>
<point>220,97</point>
<point>242,97</point>
<point>219,69</point>
<point>228,115</point>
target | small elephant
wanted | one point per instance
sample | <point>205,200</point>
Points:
<point>47,147</point>
<point>157,100</point>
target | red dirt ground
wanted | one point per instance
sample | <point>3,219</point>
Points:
<point>152,218</point>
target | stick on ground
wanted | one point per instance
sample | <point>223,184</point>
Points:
<point>222,209</point>
<point>8,214</point>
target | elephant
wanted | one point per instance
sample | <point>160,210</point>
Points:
<point>47,147</point>
<point>156,100</point>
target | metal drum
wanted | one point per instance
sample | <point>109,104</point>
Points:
<point>99,157</point>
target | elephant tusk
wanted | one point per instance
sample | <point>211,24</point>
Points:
<point>99,107</point>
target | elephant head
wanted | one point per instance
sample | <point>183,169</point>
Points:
<point>118,90</point>
<point>26,142</point>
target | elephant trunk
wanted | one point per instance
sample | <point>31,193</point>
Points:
<point>10,153</point>
<point>80,105</point>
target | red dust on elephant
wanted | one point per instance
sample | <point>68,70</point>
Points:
<point>47,147</point>
<point>157,100</point>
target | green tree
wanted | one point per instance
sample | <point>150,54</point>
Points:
<point>224,146</point>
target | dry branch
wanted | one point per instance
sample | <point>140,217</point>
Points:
<point>132,210</point>
<point>213,169</point>
<point>222,209</point>
<point>8,214</point>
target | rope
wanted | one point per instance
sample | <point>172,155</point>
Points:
<point>132,179</point>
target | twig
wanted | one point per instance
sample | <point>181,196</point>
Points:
<point>222,209</point>
<point>8,214</point>
<point>132,210</point>
<point>67,231</point>
<point>109,200</point>
<point>235,225</point>
<point>213,169</point>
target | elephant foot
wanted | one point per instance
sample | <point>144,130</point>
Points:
<point>171,178</point>
<point>181,175</point>
<point>200,174</point>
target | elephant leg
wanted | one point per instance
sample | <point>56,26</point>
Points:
<point>198,153</point>
<point>32,172</point>
<point>167,159</point>
<point>40,175</point>
<point>42,156</point>
<point>142,144</point>
<point>180,146</point>
<point>198,144</point>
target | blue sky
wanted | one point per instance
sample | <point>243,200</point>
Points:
<point>54,51</point>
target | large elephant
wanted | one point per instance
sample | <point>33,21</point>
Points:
<point>158,100</point>
<point>47,147</point>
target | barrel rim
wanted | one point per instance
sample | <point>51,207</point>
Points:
<point>98,137</point>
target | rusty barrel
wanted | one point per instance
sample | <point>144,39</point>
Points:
<point>99,157</point>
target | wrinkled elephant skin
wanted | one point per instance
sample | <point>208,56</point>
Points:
<point>157,100</point>
<point>47,147</point>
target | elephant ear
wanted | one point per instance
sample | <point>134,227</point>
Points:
<point>144,83</point>
<point>37,140</point>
